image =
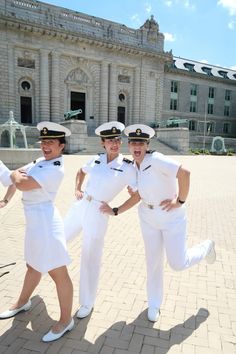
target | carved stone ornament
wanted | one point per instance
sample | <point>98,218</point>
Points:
<point>78,76</point>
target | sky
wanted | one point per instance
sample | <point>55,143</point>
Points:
<point>200,30</point>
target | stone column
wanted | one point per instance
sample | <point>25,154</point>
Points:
<point>143,98</point>
<point>11,82</point>
<point>103,93</point>
<point>112,93</point>
<point>136,97</point>
<point>55,88</point>
<point>44,86</point>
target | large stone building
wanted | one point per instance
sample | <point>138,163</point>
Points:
<point>54,60</point>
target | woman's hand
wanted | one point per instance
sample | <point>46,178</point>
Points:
<point>3,203</point>
<point>130,191</point>
<point>79,194</point>
<point>169,204</point>
<point>106,209</point>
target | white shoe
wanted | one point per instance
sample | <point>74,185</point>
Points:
<point>211,253</point>
<point>51,336</point>
<point>11,313</point>
<point>153,314</point>
<point>84,311</point>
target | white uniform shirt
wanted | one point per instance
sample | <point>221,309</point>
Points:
<point>106,180</point>
<point>49,175</point>
<point>5,173</point>
<point>157,178</point>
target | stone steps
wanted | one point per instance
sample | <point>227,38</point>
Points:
<point>94,147</point>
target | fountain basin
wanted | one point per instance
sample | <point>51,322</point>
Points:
<point>15,158</point>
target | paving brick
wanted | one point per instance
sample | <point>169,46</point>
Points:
<point>198,314</point>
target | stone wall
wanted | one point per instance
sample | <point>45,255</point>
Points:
<point>176,138</point>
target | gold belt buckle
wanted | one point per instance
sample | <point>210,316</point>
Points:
<point>150,206</point>
<point>89,198</point>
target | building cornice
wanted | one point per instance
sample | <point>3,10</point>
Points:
<point>35,29</point>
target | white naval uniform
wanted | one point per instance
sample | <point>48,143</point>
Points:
<point>45,244</point>
<point>5,173</point>
<point>161,229</point>
<point>106,180</point>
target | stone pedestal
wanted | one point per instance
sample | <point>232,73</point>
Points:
<point>78,139</point>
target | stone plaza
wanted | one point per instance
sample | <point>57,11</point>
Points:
<point>198,315</point>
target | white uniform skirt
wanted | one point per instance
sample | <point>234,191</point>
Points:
<point>45,244</point>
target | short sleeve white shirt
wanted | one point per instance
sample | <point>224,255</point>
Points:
<point>157,178</point>
<point>5,173</point>
<point>107,179</point>
<point>49,175</point>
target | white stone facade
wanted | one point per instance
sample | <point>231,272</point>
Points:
<point>55,60</point>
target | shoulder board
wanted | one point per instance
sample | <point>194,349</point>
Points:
<point>57,163</point>
<point>150,151</point>
<point>127,160</point>
<point>97,161</point>
<point>34,161</point>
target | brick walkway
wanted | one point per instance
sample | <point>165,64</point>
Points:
<point>199,310</point>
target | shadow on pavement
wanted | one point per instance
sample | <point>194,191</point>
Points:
<point>28,328</point>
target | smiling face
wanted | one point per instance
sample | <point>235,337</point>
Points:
<point>138,150</point>
<point>112,146</point>
<point>51,148</point>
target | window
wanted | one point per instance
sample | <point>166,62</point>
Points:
<point>173,104</point>
<point>193,106</point>
<point>211,93</point>
<point>207,70</point>
<point>189,66</point>
<point>192,125</point>
<point>25,85</point>
<point>226,111</point>
<point>210,108</point>
<point>121,97</point>
<point>226,128</point>
<point>174,86</point>
<point>227,95</point>
<point>223,74</point>
<point>209,127</point>
<point>193,90</point>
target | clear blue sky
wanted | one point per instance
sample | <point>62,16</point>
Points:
<point>201,30</point>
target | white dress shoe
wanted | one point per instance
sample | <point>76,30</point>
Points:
<point>51,336</point>
<point>11,313</point>
<point>211,253</point>
<point>84,311</point>
<point>153,314</point>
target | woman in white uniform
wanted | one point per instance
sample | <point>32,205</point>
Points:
<point>45,245</point>
<point>108,174</point>
<point>6,181</point>
<point>163,185</point>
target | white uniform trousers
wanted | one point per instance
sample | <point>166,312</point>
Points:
<point>85,215</point>
<point>162,230</point>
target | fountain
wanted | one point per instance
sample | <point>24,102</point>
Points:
<point>12,126</point>
<point>13,156</point>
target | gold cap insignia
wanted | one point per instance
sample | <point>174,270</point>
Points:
<point>44,131</point>
<point>138,131</point>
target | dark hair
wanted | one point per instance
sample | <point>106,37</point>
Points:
<point>62,140</point>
